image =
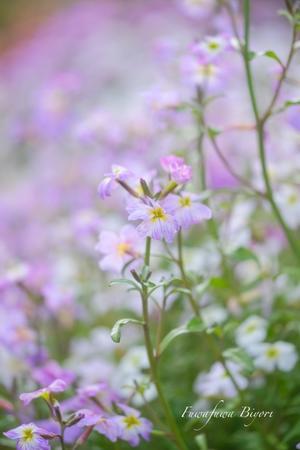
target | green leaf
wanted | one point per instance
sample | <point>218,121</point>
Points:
<point>195,325</point>
<point>272,55</point>
<point>219,283</point>
<point>116,329</point>
<point>240,357</point>
<point>125,281</point>
<point>244,254</point>
<point>213,132</point>
<point>286,14</point>
<point>201,441</point>
<point>291,103</point>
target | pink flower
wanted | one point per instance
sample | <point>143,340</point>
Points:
<point>109,182</point>
<point>53,388</point>
<point>133,426</point>
<point>187,209</point>
<point>30,437</point>
<point>179,171</point>
<point>118,249</point>
<point>156,219</point>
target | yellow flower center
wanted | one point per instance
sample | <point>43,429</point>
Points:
<point>28,435</point>
<point>185,202</point>
<point>272,353</point>
<point>207,70</point>
<point>292,199</point>
<point>123,248</point>
<point>213,45</point>
<point>250,328</point>
<point>131,421</point>
<point>157,214</point>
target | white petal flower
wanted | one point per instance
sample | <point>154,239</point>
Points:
<point>278,355</point>
<point>251,331</point>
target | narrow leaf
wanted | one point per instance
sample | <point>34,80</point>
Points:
<point>116,330</point>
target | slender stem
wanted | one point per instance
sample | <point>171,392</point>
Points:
<point>260,123</point>
<point>61,437</point>
<point>184,277</point>
<point>147,252</point>
<point>237,176</point>
<point>153,363</point>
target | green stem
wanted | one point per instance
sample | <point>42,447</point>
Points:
<point>147,252</point>
<point>191,298</point>
<point>260,128</point>
<point>153,363</point>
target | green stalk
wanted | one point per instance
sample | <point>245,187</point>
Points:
<point>260,128</point>
<point>180,444</point>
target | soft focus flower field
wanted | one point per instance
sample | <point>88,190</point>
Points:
<point>149,232</point>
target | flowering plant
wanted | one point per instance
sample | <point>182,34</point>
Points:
<point>167,306</point>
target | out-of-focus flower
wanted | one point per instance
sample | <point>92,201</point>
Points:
<point>278,355</point>
<point>197,8</point>
<point>213,314</point>
<point>109,182</point>
<point>288,200</point>
<point>133,426</point>
<point>104,394</point>
<point>217,382</point>
<point>211,47</point>
<point>156,219</point>
<point>180,172</point>
<point>118,249</point>
<point>251,331</point>
<point>55,387</point>
<point>293,117</point>
<point>52,371</point>
<point>15,274</point>
<point>203,73</point>
<point>187,209</point>
<point>107,426</point>
<point>30,437</point>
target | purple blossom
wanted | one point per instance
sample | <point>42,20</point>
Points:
<point>53,388</point>
<point>187,209</point>
<point>211,47</point>
<point>107,426</point>
<point>156,219</point>
<point>179,171</point>
<point>109,182</point>
<point>118,249</point>
<point>30,437</point>
<point>133,426</point>
<point>52,371</point>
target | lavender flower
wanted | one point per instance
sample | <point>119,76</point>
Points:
<point>156,219</point>
<point>180,172</point>
<point>187,209</point>
<point>118,249</point>
<point>53,388</point>
<point>133,426</point>
<point>109,182</point>
<point>107,426</point>
<point>30,437</point>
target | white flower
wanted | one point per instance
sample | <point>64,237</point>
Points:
<point>134,361</point>
<point>213,314</point>
<point>251,331</point>
<point>217,382</point>
<point>288,200</point>
<point>279,355</point>
<point>138,387</point>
